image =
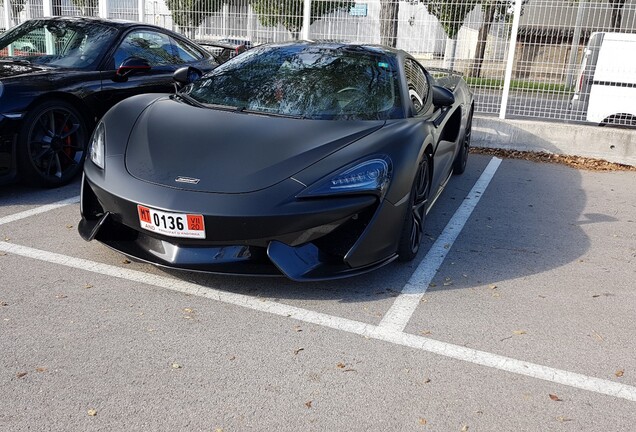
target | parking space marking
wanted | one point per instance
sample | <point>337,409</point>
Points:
<point>37,210</point>
<point>370,331</point>
<point>405,304</point>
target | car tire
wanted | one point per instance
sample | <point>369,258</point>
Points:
<point>459,165</point>
<point>415,217</point>
<point>52,144</point>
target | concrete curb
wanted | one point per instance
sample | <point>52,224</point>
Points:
<point>607,143</point>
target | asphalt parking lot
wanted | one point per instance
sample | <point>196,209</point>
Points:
<point>517,314</point>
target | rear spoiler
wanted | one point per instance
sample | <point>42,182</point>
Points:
<point>222,51</point>
<point>433,70</point>
<point>446,77</point>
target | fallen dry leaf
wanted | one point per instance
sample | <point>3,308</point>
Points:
<point>61,296</point>
<point>427,380</point>
<point>432,285</point>
<point>571,161</point>
<point>40,369</point>
<point>88,286</point>
<point>176,366</point>
<point>464,428</point>
<point>69,226</point>
<point>92,412</point>
<point>519,332</point>
<point>425,332</point>
<point>555,398</point>
<point>308,404</point>
<point>296,351</point>
<point>422,421</point>
<point>619,373</point>
<point>496,294</point>
<point>21,374</point>
<point>492,286</point>
<point>341,365</point>
<point>563,419</point>
<point>4,304</point>
<point>297,329</point>
<point>187,310</point>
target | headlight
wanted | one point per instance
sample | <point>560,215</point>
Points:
<point>372,176</point>
<point>97,145</point>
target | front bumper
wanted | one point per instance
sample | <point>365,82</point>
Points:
<point>255,233</point>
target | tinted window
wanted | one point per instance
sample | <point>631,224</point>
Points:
<point>417,84</point>
<point>58,43</point>
<point>155,47</point>
<point>306,81</point>
<point>185,52</point>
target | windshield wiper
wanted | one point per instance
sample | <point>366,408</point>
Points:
<point>188,99</point>
<point>272,113</point>
<point>15,60</point>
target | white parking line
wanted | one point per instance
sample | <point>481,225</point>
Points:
<point>405,304</point>
<point>461,353</point>
<point>37,210</point>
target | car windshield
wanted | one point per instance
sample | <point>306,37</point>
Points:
<point>308,81</point>
<point>65,44</point>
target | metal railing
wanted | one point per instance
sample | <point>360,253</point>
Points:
<point>523,58</point>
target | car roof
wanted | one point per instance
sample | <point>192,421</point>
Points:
<point>335,45</point>
<point>115,23</point>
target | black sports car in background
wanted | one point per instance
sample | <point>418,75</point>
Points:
<point>58,76</point>
<point>315,161</point>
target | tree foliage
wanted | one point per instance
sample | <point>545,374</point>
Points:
<point>450,13</point>
<point>189,14</point>
<point>289,13</point>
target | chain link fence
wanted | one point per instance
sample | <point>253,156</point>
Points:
<point>523,58</point>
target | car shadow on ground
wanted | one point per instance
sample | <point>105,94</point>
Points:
<point>528,221</point>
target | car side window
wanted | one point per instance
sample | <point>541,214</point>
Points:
<point>185,52</point>
<point>417,84</point>
<point>155,47</point>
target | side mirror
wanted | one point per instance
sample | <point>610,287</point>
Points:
<point>442,97</point>
<point>132,65</point>
<point>186,75</point>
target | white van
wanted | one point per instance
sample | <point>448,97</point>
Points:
<point>606,85</point>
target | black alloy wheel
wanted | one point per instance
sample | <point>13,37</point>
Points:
<point>413,227</point>
<point>459,165</point>
<point>52,144</point>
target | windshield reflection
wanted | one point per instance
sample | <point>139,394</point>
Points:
<point>76,45</point>
<point>308,81</point>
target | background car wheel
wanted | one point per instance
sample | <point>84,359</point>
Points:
<point>459,166</point>
<point>413,227</point>
<point>52,144</point>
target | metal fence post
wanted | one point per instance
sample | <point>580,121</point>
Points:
<point>7,15</point>
<point>47,8</point>
<point>575,43</point>
<point>511,59</point>
<point>141,10</point>
<point>103,8</point>
<point>306,19</point>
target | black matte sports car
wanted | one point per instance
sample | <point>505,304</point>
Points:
<point>311,160</point>
<point>58,76</point>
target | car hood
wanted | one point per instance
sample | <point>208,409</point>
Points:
<point>220,151</point>
<point>10,69</point>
